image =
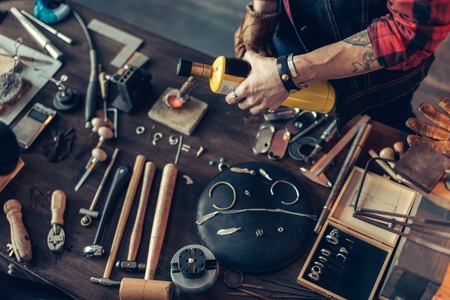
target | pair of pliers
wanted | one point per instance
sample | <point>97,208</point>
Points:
<point>56,235</point>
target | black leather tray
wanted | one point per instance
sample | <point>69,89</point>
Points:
<point>285,236</point>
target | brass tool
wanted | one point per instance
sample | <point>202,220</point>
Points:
<point>20,240</point>
<point>131,264</point>
<point>98,155</point>
<point>56,235</point>
<point>90,213</point>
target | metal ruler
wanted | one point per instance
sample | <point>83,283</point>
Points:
<point>131,42</point>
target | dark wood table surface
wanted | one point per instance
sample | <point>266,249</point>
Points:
<point>222,132</point>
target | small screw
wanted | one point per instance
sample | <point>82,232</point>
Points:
<point>259,232</point>
<point>247,193</point>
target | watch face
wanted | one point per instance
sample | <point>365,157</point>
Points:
<point>9,151</point>
<point>256,217</point>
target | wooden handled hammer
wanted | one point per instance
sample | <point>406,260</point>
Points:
<point>130,264</point>
<point>147,288</point>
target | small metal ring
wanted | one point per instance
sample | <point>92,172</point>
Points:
<point>173,140</point>
<point>341,256</point>
<point>234,96</point>
<point>140,130</point>
<point>316,269</point>
<point>322,259</point>
<point>280,229</point>
<point>325,252</point>
<point>233,278</point>
<point>332,239</point>
<point>156,137</point>
<point>231,187</point>
<point>335,232</point>
<point>343,250</point>
<point>321,265</point>
<point>314,276</point>
<point>287,182</point>
<point>223,166</point>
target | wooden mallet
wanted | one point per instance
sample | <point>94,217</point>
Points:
<point>147,288</point>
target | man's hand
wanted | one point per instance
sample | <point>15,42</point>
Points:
<point>255,33</point>
<point>437,137</point>
<point>262,89</point>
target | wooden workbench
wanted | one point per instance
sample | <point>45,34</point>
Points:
<point>222,132</point>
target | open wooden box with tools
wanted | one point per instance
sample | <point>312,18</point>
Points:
<point>350,256</point>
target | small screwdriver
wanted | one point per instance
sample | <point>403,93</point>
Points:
<point>324,138</point>
<point>98,155</point>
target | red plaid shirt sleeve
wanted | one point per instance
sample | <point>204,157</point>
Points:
<point>410,33</point>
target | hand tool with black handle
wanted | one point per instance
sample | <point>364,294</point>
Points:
<point>120,180</point>
<point>121,224</point>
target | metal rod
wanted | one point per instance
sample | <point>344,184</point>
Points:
<point>105,177</point>
<point>50,29</point>
<point>37,35</point>
<point>352,156</point>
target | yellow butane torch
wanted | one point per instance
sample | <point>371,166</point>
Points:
<point>225,74</point>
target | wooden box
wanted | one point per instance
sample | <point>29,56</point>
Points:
<point>350,256</point>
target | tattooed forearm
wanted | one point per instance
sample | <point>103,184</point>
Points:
<point>359,39</point>
<point>368,56</point>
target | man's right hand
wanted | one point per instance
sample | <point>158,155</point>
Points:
<point>255,33</point>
